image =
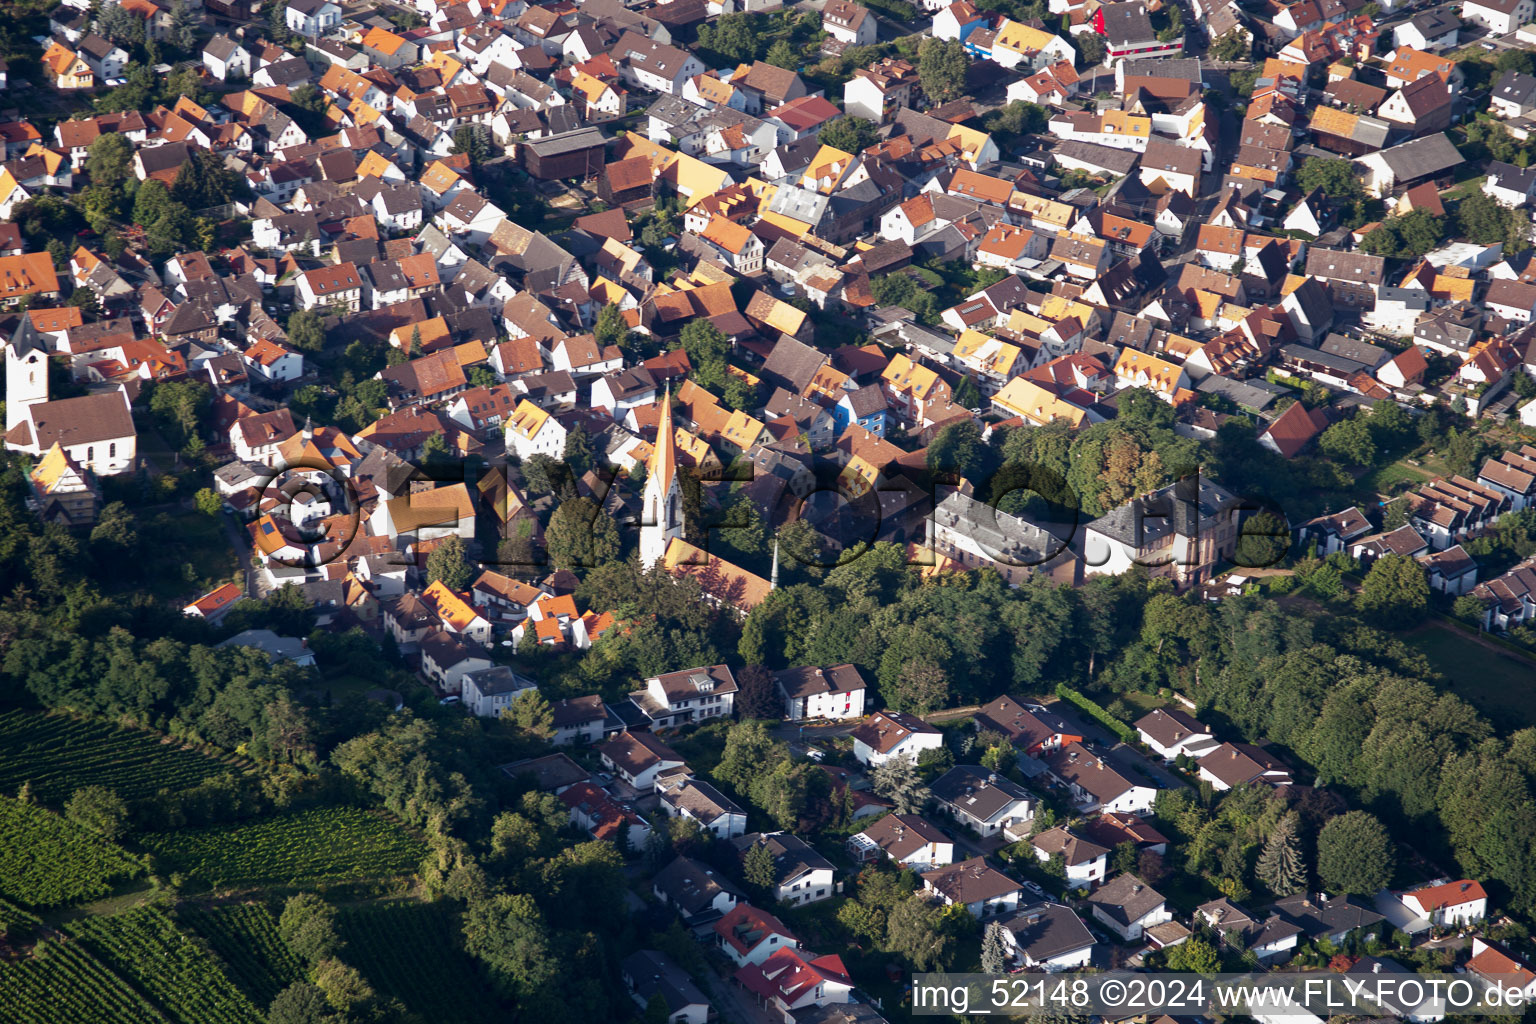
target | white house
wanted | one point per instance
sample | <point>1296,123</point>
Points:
<point>802,875</point>
<point>698,801</point>
<point>226,59</point>
<point>1092,783</point>
<point>1086,862</point>
<point>1171,732</point>
<point>490,691</point>
<point>749,936</point>
<point>983,801</point>
<point>1128,906</point>
<point>532,431</point>
<point>907,840</point>
<point>1499,17</point>
<point>980,888</point>
<point>1448,904</point>
<point>637,758</point>
<point>1047,937</point>
<point>690,695</point>
<point>312,18</point>
<point>813,692</point>
<point>890,734</point>
<point>700,893</point>
<point>650,974</point>
<point>848,22</point>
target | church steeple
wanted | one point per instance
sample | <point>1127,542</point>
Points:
<point>664,458</point>
<point>662,508</point>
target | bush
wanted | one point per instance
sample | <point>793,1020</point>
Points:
<point>1104,718</point>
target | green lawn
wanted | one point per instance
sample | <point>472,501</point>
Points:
<point>1383,479</point>
<point>1501,686</point>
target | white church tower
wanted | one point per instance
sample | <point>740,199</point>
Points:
<point>662,515</point>
<point>26,378</point>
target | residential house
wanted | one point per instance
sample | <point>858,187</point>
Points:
<point>984,801</point>
<point>1128,906</point>
<point>801,874</point>
<point>974,884</point>
<point>638,758</point>
<point>811,692</point>
<point>889,734</point>
<point>907,840</point>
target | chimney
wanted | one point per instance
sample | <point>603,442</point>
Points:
<point>1136,888</point>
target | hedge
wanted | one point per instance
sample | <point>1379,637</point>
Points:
<point>1104,718</point>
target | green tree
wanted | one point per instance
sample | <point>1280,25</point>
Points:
<point>580,533</point>
<point>897,780</point>
<point>915,930</point>
<point>299,1003</point>
<point>1395,591</point>
<point>1334,175</point>
<point>1280,866</point>
<point>782,55</point>
<point>208,501</point>
<point>994,949</point>
<point>1194,955</point>
<point>941,67</point>
<point>733,36</point>
<point>532,714</point>
<point>109,161</point>
<point>921,685</point>
<point>958,448</point>
<point>183,34</point>
<point>306,330</point>
<point>1355,854</point>
<point>1090,48</point>
<point>448,562</point>
<point>849,133</point>
<point>703,342</point>
<point>1235,45</point>
<point>308,926</point>
<point>1349,441</point>
<point>611,327</point>
<point>758,869</point>
<point>98,809</point>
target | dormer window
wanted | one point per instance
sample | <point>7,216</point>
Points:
<point>702,682</point>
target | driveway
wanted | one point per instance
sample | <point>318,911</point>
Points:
<point>1125,756</point>
<point>735,1004</point>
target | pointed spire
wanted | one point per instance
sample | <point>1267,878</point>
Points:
<point>664,459</point>
<point>773,578</point>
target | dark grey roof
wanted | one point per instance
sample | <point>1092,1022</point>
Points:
<point>792,856</point>
<point>652,973</point>
<point>1316,916</point>
<point>568,142</point>
<point>1438,23</point>
<point>866,401</point>
<point>1002,535</point>
<point>1119,161</point>
<point>1252,394</point>
<point>1151,516</point>
<point>1126,899</point>
<point>1516,88</point>
<point>793,362</point>
<point>977,791</point>
<point>1046,930</point>
<point>692,885</point>
<point>1429,155</point>
<point>1127,23</point>
<point>1363,352</point>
